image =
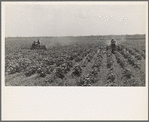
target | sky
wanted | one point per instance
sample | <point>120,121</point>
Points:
<point>74,19</point>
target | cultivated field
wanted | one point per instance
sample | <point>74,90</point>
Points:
<point>76,61</point>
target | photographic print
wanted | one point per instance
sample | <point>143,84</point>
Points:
<point>74,60</point>
<point>60,44</point>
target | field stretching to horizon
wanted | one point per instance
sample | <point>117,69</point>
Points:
<point>76,61</point>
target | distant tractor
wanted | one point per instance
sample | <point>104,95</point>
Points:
<point>113,46</point>
<point>36,45</point>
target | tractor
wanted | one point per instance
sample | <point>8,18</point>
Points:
<point>36,45</point>
<point>112,47</point>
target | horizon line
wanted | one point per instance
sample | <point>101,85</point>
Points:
<point>76,36</point>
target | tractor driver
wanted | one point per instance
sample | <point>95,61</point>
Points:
<point>112,41</point>
<point>38,42</point>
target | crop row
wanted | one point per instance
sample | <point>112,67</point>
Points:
<point>127,74</point>
<point>88,58</point>
<point>131,58</point>
<point>91,77</point>
<point>133,51</point>
<point>36,61</point>
<point>109,59</point>
<point>110,65</point>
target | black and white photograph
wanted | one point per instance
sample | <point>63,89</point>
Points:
<point>74,60</point>
<point>75,45</point>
